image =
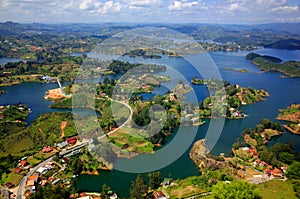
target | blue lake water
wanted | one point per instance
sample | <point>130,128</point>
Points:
<point>283,92</point>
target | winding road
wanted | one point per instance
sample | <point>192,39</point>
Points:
<point>126,122</point>
<point>21,186</point>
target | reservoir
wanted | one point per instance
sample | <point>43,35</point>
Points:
<point>283,92</point>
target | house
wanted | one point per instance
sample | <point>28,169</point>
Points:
<point>62,145</point>
<point>17,170</point>
<point>8,185</point>
<point>277,173</point>
<point>253,152</point>
<point>72,141</point>
<point>166,181</point>
<point>32,180</point>
<point>268,172</point>
<point>30,183</point>
<point>284,168</point>
<point>42,170</point>
<point>159,195</point>
<point>23,163</point>
<point>47,149</point>
<point>245,148</point>
<point>173,97</point>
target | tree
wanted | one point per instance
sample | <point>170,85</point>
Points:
<point>293,170</point>
<point>138,188</point>
<point>286,157</point>
<point>105,192</point>
<point>155,179</point>
<point>235,190</point>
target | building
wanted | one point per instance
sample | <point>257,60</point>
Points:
<point>72,141</point>
<point>8,185</point>
<point>47,149</point>
<point>23,163</point>
<point>277,173</point>
<point>159,195</point>
<point>17,170</point>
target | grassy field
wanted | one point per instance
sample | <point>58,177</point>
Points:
<point>14,178</point>
<point>277,189</point>
<point>135,140</point>
<point>187,187</point>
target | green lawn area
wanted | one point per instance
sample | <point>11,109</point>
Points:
<point>15,146</point>
<point>14,178</point>
<point>187,187</point>
<point>134,139</point>
<point>276,189</point>
<point>39,157</point>
<point>243,154</point>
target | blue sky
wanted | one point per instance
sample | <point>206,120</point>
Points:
<point>173,11</point>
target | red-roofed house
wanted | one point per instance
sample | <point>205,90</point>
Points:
<point>23,163</point>
<point>47,149</point>
<point>17,170</point>
<point>277,173</point>
<point>159,195</point>
<point>253,152</point>
<point>72,141</point>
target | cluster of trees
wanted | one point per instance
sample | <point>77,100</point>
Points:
<point>139,187</point>
<point>221,108</point>
<point>51,192</point>
<point>142,118</point>
<point>107,86</point>
<point>235,190</point>
<point>121,67</point>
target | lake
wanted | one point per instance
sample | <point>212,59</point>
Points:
<point>283,92</point>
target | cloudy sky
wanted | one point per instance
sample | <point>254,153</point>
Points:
<point>174,11</point>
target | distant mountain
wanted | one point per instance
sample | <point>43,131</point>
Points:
<point>279,35</point>
<point>290,44</point>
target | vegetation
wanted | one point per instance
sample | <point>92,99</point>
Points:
<point>235,190</point>
<point>292,115</point>
<point>226,103</point>
<point>268,63</point>
<point>138,188</point>
<point>276,189</point>
<point>50,192</point>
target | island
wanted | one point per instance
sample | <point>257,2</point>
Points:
<point>292,115</point>
<point>228,102</point>
<point>269,63</point>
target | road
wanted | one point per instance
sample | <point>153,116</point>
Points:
<point>21,187</point>
<point>126,122</point>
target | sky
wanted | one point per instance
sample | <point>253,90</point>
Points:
<point>145,11</point>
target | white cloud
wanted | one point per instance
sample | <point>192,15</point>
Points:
<point>183,4</point>
<point>142,2</point>
<point>233,6</point>
<point>286,9</point>
<point>217,11</point>
<point>110,6</point>
<point>89,5</point>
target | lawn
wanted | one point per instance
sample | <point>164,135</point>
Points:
<point>133,139</point>
<point>276,189</point>
<point>187,187</point>
<point>39,157</point>
<point>14,178</point>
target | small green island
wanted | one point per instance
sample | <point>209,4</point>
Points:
<point>269,63</point>
<point>228,102</point>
